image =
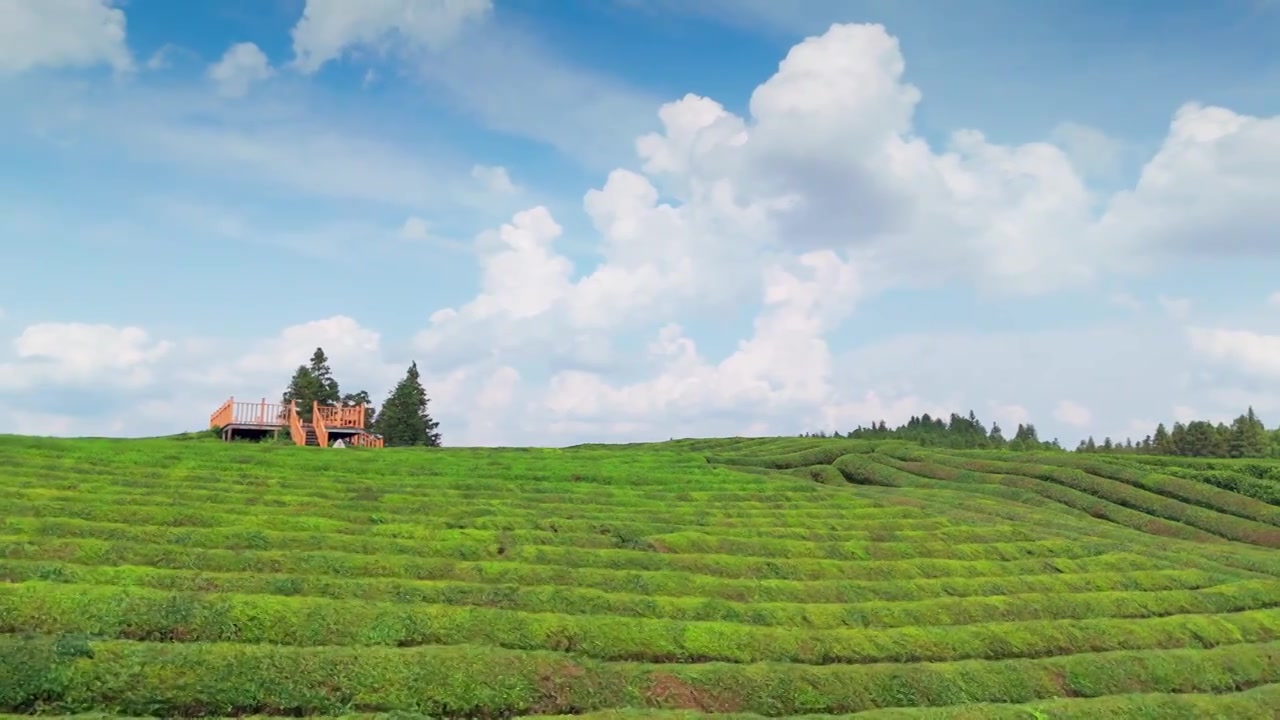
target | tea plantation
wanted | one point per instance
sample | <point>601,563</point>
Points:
<point>770,577</point>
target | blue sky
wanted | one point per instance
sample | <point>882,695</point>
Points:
<point>633,219</point>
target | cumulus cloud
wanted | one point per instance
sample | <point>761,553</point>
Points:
<point>242,65</point>
<point>81,354</point>
<point>1250,352</point>
<point>1211,188</point>
<point>830,158</point>
<point>826,165</point>
<point>62,33</point>
<point>329,27</point>
<point>784,367</point>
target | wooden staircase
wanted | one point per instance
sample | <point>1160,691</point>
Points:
<point>309,435</point>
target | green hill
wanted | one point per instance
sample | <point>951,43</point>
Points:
<point>771,577</point>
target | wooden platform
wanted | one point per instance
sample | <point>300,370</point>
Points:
<point>257,420</point>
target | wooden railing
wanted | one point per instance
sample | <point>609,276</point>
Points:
<point>318,422</point>
<point>339,417</point>
<point>295,425</point>
<point>222,416</point>
<point>275,415</point>
<point>248,413</point>
<point>364,440</point>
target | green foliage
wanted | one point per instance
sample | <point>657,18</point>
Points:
<point>404,420</point>
<point>827,577</point>
<point>1245,437</point>
<point>314,383</point>
<point>957,432</point>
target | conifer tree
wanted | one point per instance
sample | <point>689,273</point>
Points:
<point>312,383</point>
<point>996,437</point>
<point>403,419</point>
<point>328,393</point>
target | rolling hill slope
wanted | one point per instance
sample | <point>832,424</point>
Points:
<point>771,577</point>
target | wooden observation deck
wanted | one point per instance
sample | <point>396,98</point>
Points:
<point>256,420</point>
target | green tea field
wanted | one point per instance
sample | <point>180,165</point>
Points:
<point>766,577</point>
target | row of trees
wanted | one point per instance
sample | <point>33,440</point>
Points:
<point>1245,437</point>
<point>957,432</point>
<point>403,419</point>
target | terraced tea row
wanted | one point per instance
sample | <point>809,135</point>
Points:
<point>184,578</point>
<point>196,678</point>
<point>949,601</point>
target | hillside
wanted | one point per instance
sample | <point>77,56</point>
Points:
<point>754,577</point>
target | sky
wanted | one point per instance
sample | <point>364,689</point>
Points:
<point>629,220</point>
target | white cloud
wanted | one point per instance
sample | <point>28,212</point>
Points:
<point>1273,300</point>
<point>1211,188</point>
<point>1247,351</point>
<point>494,178</point>
<point>1073,414</point>
<point>826,163</point>
<point>242,65</point>
<point>171,387</point>
<point>784,367</point>
<point>62,33</point>
<point>78,353</point>
<point>829,155</point>
<point>353,350</point>
<point>329,27</point>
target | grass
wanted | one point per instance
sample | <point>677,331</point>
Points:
<point>745,578</point>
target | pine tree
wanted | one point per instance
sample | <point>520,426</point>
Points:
<point>1162,442</point>
<point>327,387</point>
<point>403,420</point>
<point>1025,438</point>
<point>996,437</point>
<point>303,388</point>
<point>312,383</point>
<point>1247,436</point>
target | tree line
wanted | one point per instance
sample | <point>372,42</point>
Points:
<point>1244,437</point>
<point>958,432</point>
<point>403,420</point>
